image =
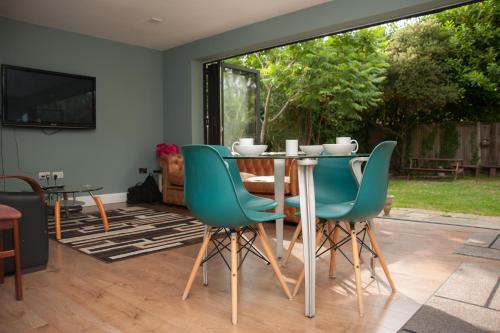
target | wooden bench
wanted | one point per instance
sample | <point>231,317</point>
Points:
<point>436,165</point>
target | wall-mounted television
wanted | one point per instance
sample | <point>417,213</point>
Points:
<point>39,98</point>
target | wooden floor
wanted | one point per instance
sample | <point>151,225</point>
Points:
<point>78,293</point>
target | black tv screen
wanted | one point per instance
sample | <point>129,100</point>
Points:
<point>38,98</point>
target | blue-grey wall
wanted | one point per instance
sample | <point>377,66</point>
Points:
<point>183,65</point>
<point>129,108</point>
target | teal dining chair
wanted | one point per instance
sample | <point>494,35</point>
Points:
<point>333,183</point>
<point>211,196</point>
<point>367,204</point>
<point>247,199</point>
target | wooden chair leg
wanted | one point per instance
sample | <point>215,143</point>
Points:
<point>17,260</point>
<point>102,211</point>
<point>295,236</point>
<point>267,250</point>
<point>300,278</point>
<point>376,248</point>
<point>57,218</point>
<point>357,269</point>
<point>2,264</point>
<point>234,278</point>
<point>333,252</point>
<point>197,262</point>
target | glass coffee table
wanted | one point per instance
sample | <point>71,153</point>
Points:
<point>58,198</point>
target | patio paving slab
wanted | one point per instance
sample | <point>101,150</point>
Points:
<point>466,302</point>
<point>482,239</point>
<point>437,217</point>
<point>466,279</point>
<point>482,244</point>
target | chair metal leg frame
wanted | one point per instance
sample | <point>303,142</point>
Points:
<point>356,252</point>
<point>254,248</point>
<point>336,245</point>
<point>234,266</point>
<point>331,237</point>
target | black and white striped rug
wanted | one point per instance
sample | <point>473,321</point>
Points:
<point>133,231</point>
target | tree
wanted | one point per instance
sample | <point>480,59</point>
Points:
<point>419,83</point>
<point>474,40</point>
<point>320,83</point>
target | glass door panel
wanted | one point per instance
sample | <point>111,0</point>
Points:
<point>240,103</point>
<point>231,103</point>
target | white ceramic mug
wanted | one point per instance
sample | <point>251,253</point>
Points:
<point>345,140</point>
<point>292,147</point>
<point>242,142</point>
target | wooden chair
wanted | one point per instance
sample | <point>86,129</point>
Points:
<point>9,218</point>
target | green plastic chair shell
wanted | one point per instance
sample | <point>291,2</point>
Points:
<point>209,191</point>
<point>247,199</point>
<point>372,191</point>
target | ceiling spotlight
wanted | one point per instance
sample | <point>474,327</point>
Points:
<point>155,20</point>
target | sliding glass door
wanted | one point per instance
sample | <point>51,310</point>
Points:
<point>231,103</point>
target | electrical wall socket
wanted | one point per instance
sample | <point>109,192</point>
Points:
<point>59,174</point>
<point>43,174</point>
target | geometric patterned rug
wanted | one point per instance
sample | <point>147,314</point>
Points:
<point>133,231</point>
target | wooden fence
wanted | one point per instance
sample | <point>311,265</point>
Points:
<point>474,143</point>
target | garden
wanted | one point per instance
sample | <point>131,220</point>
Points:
<point>419,81</point>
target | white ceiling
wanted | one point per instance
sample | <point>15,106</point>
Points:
<point>126,21</point>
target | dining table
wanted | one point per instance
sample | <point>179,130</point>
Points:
<point>305,167</point>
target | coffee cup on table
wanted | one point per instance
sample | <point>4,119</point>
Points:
<point>346,140</point>
<point>292,147</point>
<point>242,142</point>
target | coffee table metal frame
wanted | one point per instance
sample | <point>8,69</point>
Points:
<point>55,194</point>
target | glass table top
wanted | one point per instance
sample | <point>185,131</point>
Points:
<point>284,156</point>
<point>73,189</point>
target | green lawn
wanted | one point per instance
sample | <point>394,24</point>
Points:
<point>469,195</point>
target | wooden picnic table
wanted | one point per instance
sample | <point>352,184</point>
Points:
<point>436,165</point>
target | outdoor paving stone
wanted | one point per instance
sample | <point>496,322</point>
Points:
<point>482,238</point>
<point>463,284</point>
<point>495,300</point>
<point>496,245</point>
<point>467,302</point>
<point>430,216</point>
<point>481,252</point>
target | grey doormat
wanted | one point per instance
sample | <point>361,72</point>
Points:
<point>133,231</point>
<point>469,301</point>
<point>483,244</point>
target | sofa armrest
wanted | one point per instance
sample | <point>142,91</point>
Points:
<point>294,178</point>
<point>31,182</point>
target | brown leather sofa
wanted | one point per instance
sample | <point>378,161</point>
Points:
<point>257,176</point>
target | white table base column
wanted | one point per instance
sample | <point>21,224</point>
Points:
<point>308,220</point>
<point>279,197</point>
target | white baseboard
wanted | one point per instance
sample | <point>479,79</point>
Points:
<point>108,198</point>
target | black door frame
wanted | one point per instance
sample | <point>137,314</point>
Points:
<point>213,101</point>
